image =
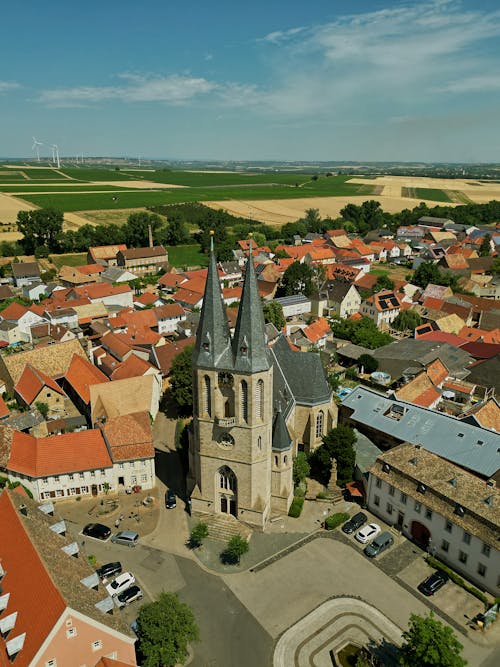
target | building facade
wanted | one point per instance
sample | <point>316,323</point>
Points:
<point>452,513</point>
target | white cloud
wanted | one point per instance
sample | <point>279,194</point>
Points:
<point>174,90</point>
<point>8,85</point>
<point>280,36</point>
<point>484,83</point>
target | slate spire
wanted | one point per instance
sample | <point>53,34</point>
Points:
<point>281,436</point>
<point>213,339</point>
<point>249,340</point>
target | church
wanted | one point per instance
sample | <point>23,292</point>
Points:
<point>255,405</point>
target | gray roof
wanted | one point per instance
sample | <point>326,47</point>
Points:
<point>213,340</point>
<point>113,273</point>
<point>249,341</point>
<point>351,351</point>
<point>292,300</point>
<point>468,446</point>
<point>487,373</point>
<point>281,437</point>
<point>429,218</point>
<point>303,372</point>
<point>25,269</point>
<point>399,355</point>
<point>338,290</point>
<point>366,452</point>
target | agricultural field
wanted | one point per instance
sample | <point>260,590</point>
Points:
<point>429,194</point>
<point>182,256</point>
<point>217,179</point>
<point>71,259</point>
<point>26,187</point>
<point>89,175</point>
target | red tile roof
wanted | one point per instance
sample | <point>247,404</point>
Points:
<point>91,269</point>
<point>58,454</point>
<point>481,350</point>
<point>129,436</point>
<point>167,353</point>
<point>146,299</point>
<point>480,335</point>
<point>168,310</point>
<point>317,330</point>
<point>26,579</point>
<point>172,279</point>
<point>14,311</point>
<point>443,337</point>
<point>133,366</point>
<point>81,374</point>
<point>185,296</point>
<point>101,290</point>
<point>32,381</point>
<point>4,410</point>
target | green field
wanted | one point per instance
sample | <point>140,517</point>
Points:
<point>74,259</point>
<point>97,174</point>
<point>195,179</point>
<point>333,186</point>
<point>182,256</point>
<point>27,186</point>
<point>433,194</point>
<point>37,174</point>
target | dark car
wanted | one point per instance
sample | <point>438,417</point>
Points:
<point>109,570</point>
<point>433,583</point>
<point>97,530</point>
<point>380,543</point>
<point>130,595</point>
<point>354,523</point>
<point>170,500</point>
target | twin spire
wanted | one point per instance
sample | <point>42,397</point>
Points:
<point>247,350</point>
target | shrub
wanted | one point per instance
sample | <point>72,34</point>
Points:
<point>92,559</point>
<point>198,534</point>
<point>336,520</point>
<point>296,507</point>
<point>322,495</point>
<point>236,547</point>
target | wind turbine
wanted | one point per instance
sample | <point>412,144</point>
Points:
<point>35,147</point>
<point>55,155</point>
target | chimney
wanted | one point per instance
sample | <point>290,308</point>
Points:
<point>150,233</point>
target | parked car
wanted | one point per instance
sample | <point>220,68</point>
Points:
<point>354,523</point>
<point>126,537</point>
<point>109,570</point>
<point>129,595</point>
<point>433,582</point>
<point>120,584</point>
<point>97,530</point>
<point>170,500</point>
<point>367,533</point>
<point>379,544</point>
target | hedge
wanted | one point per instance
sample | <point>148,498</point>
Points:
<point>296,507</point>
<point>334,520</point>
<point>457,579</point>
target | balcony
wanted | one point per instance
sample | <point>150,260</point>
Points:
<point>226,422</point>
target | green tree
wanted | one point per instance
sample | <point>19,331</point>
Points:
<point>137,228</point>
<point>43,408</point>
<point>235,549</point>
<point>176,231</point>
<point>495,269</point>
<point>181,381</point>
<point>362,332</point>
<point>368,363</point>
<point>40,228</point>
<point>273,312</point>
<point>301,468</point>
<point>383,282</point>
<point>297,279</point>
<point>337,444</point>
<point>198,534</point>
<point>428,272</point>
<point>407,320</point>
<point>164,629</point>
<point>429,643</point>
<point>485,247</point>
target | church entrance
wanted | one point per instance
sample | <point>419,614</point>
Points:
<point>226,490</point>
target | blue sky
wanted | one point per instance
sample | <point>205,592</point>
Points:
<point>268,79</point>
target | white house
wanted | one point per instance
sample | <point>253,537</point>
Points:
<point>382,307</point>
<point>452,513</point>
<point>169,316</point>
<point>23,317</point>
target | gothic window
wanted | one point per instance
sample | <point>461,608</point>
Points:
<point>276,462</point>
<point>259,442</point>
<point>319,424</point>
<point>227,479</point>
<point>207,399</point>
<point>259,399</point>
<point>244,400</point>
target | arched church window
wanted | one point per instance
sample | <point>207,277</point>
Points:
<point>259,442</point>
<point>207,398</point>
<point>319,424</point>
<point>285,460</point>
<point>276,461</point>
<point>259,399</point>
<point>244,400</point>
<point>227,479</point>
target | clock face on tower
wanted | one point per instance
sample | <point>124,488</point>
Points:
<point>226,380</point>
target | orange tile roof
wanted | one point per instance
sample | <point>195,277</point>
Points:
<point>317,330</point>
<point>32,381</point>
<point>138,336</point>
<point>437,371</point>
<point>168,310</point>
<point>4,410</point>
<point>232,293</point>
<point>317,254</point>
<point>185,296</point>
<point>295,252</point>
<point>115,345</point>
<point>133,366</point>
<point>58,454</point>
<point>26,579</point>
<point>284,263</point>
<point>383,300</point>
<point>172,279</point>
<point>367,281</point>
<point>487,414</point>
<point>471,333</point>
<point>106,251</point>
<point>167,353</point>
<point>455,261</point>
<point>342,272</point>
<point>91,269</point>
<point>101,290</point>
<point>14,311</point>
<point>454,386</point>
<point>129,436</point>
<point>81,374</point>
<point>355,316</point>
<point>433,304</point>
<point>139,318</point>
<point>146,299</point>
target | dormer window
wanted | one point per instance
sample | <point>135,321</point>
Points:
<point>421,488</point>
<point>386,468</point>
<point>459,510</point>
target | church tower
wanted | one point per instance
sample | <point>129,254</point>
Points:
<point>231,447</point>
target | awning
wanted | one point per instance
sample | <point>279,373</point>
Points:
<point>355,489</point>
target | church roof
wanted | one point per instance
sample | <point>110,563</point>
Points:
<point>281,437</point>
<point>249,342</point>
<point>213,340</point>
<point>303,372</point>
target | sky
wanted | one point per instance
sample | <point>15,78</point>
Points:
<point>371,80</point>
